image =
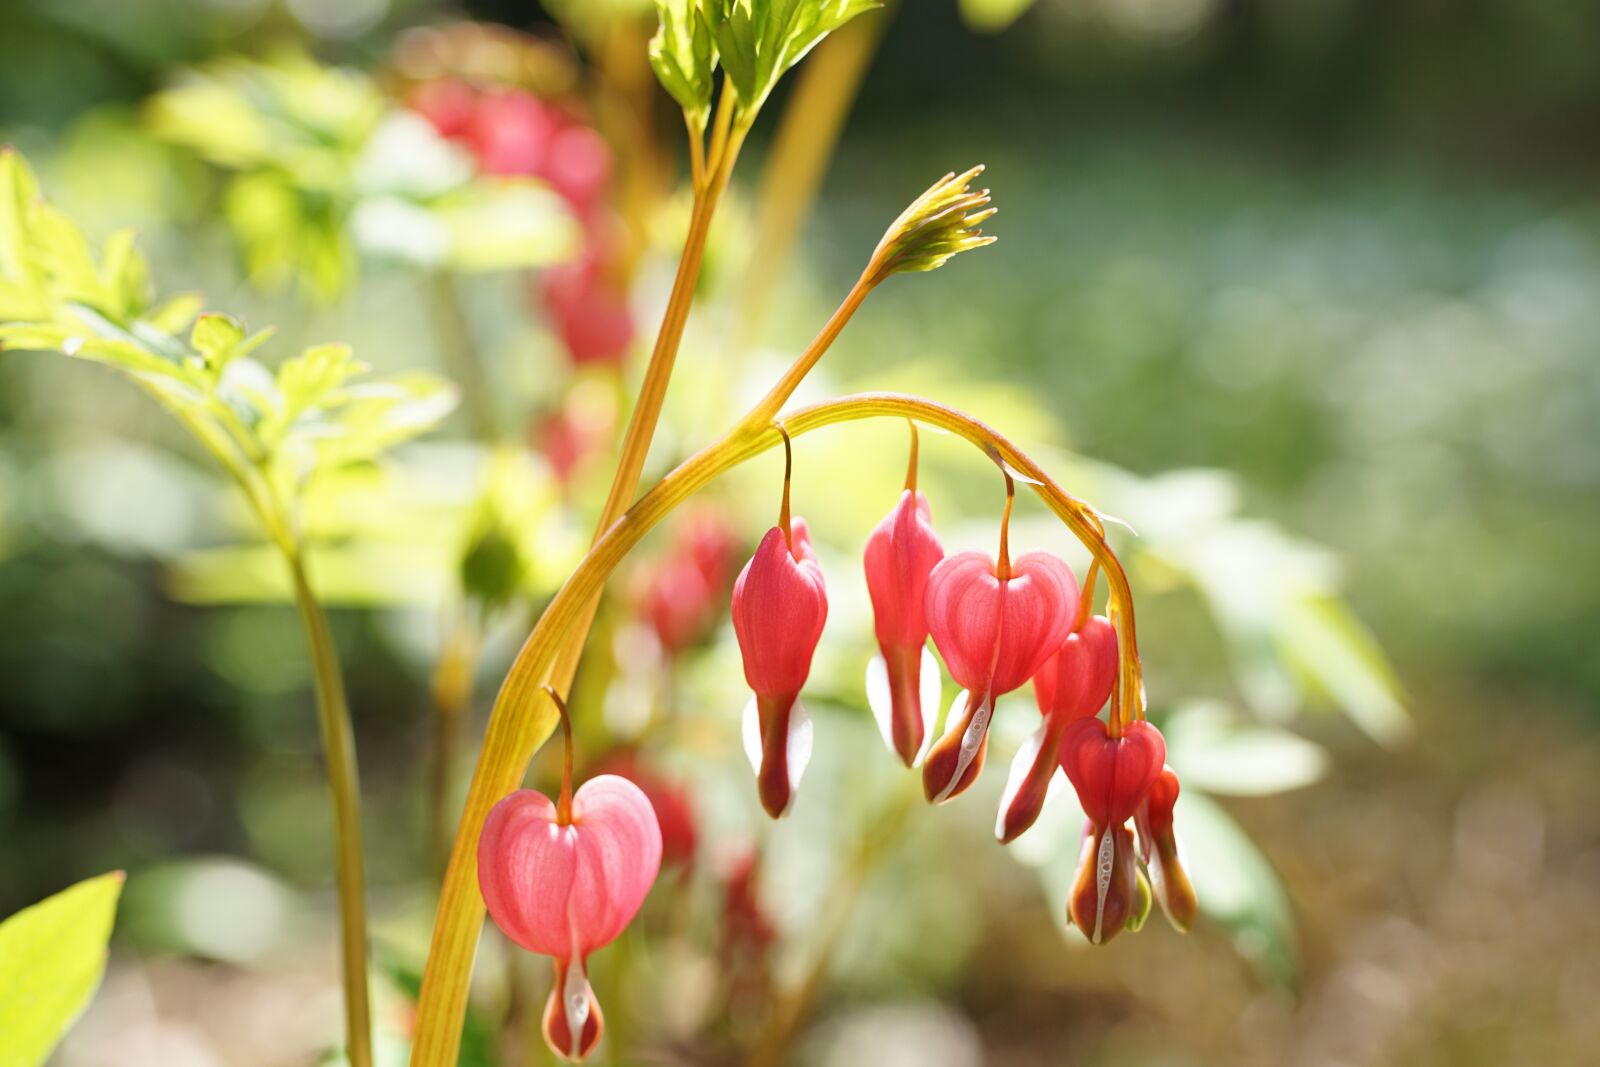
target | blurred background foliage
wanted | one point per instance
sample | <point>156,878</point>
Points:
<point>1303,292</point>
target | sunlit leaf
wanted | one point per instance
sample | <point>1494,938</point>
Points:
<point>992,16</point>
<point>759,40</point>
<point>51,958</point>
<point>505,224</point>
<point>363,574</point>
<point>216,337</point>
<point>1238,888</point>
<point>1322,637</point>
<point>20,295</point>
<point>1219,751</point>
<point>684,56</point>
<point>177,313</point>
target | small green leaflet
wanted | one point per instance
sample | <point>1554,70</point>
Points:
<point>51,958</point>
<point>683,56</point>
<point>992,16</point>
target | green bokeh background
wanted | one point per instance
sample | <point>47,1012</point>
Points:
<point>1347,251</point>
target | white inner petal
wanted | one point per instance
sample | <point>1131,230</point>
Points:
<point>751,732</point>
<point>575,999</point>
<point>1021,764</point>
<point>880,698</point>
<point>931,686</point>
<point>799,742</point>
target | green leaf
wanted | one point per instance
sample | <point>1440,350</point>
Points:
<point>507,224</point>
<point>177,313</point>
<point>1238,888</point>
<point>684,57</point>
<point>1322,638</point>
<point>1216,750</point>
<point>992,16</point>
<point>377,415</point>
<point>19,195</point>
<point>216,337</point>
<point>759,40</point>
<point>310,379</point>
<point>51,958</point>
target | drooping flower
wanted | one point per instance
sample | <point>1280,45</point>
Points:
<point>780,603</point>
<point>1072,684</point>
<point>995,623</point>
<point>589,313</point>
<point>748,933</point>
<point>1112,776</point>
<point>680,590</point>
<point>579,167</point>
<point>572,436</point>
<point>1163,854</point>
<point>672,801</point>
<point>511,132</point>
<point>564,879</point>
<point>447,103</point>
<point>903,679</point>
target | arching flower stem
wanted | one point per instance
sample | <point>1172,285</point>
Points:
<point>788,476</point>
<point>564,802</point>
<point>517,725</point>
<point>1002,561</point>
<point>1086,598</point>
<point>911,462</point>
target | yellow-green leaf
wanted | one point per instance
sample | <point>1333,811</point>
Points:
<point>51,958</point>
<point>992,16</point>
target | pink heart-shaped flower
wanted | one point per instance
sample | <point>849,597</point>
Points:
<point>902,680</point>
<point>995,634</point>
<point>1077,680</point>
<point>780,603</point>
<point>1112,774</point>
<point>566,890</point>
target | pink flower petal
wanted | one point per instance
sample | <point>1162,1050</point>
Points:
<point>780,603</point>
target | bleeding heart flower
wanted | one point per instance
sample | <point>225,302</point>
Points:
<point>510,133</point>
<point>1073,683</point>
<point>903,679</point>
<point>579,167</point>
<point>564,879</point>
<point>744,956</point>
<point>1077,680</point>
<point>1163,853</point>
<point>1112,774</point>
<point>677,601</point>
<point>1105,897</point>
<point>780,603</point>
<point>673,804</point>
<point>995,625</point>
<point>592,317</point>
<point>447,103</point>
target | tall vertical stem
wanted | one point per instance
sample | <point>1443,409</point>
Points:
<point>338,746</point>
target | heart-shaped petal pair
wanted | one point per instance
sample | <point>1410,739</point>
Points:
<point>995,633</point>
<point>1111,774</point>
<point>1077,680</point>
<point>566,890</point>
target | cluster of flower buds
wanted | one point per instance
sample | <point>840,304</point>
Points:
<point>512,132</point>
<point>564,879</point>
<point>998,623</point>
